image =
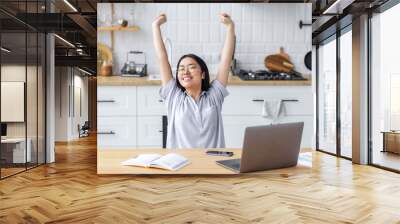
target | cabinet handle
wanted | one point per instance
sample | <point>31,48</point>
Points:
<point>106,101</point>
<point>290,100</point>
<point>106,133</point>
<point>283,100</point>
<point>160,101</point>
<point>160,131</point>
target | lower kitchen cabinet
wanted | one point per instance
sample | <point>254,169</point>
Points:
<point>116,132</point>
<point>149,131</point>
<point>136,121</point>
<point>149,101</point>
<point>234,128</point>
<point>116,101</point>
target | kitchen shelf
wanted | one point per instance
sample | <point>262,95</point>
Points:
<point>118,28</point>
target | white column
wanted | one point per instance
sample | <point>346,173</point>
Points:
<point>50,100</point>
<point>360,90</point>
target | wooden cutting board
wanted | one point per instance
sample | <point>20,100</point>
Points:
<point>278,62</point>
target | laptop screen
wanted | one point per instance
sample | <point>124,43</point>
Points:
<point>3,129</point>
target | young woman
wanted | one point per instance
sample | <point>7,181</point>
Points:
<point>193,103</point>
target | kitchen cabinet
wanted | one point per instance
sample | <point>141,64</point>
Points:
<point>149,131</point>
<point>116,101</point>
<point>129,116</point>
<point>149,101</point>
<point>116,117</point>
<point>138,110</point>
<point>151,108</point>
<point>250,99</point>
<point>243,108</point>
<point>235,126</point>
<point>116,133</point>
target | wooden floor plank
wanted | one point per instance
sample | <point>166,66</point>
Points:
<point>69,191</point>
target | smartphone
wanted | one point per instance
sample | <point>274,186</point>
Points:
<point>219,153</point>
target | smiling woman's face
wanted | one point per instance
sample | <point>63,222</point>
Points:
<point>189,73</point>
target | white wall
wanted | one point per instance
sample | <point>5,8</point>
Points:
<point>195,28</point>
<point>69,82</point>
<point>15,72</point>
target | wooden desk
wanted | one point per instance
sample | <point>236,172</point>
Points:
<point>17,152</point>
<point>391,141</point>
<point>108,162</point>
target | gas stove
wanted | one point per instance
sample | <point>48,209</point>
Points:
<point>267,75</point>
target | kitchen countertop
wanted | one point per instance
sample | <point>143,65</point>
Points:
<point>116,80</point>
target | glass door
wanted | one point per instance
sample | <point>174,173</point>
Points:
<point>22,76</point>
<point>13,103</point>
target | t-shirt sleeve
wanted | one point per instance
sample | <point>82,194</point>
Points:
<point>168,92</point>
<point>168,89</point>
<point>218,91</point>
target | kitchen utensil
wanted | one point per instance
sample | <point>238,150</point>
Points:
<point>307,60</point>
<point>132,68</point>
<point>281,63</point>
<point>278,62</point>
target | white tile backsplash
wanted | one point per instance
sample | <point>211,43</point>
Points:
<point>261,28</point>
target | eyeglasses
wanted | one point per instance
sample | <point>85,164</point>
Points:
<point>190,67</point>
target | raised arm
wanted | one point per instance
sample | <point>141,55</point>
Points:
<point>165,68</point>
<point>227,51</point>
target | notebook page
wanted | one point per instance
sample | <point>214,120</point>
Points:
<point>141,160</point>
<point>171,161</point>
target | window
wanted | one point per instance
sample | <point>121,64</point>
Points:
<point>385,89</point>
<point>346,94</point>
<point>327,97</point>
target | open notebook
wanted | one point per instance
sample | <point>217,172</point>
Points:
<point>170,161</point>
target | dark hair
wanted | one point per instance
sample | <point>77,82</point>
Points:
<point>205,83</point>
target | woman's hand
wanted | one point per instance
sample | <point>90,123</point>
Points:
<point>161,19</point>
<point>226,19</point>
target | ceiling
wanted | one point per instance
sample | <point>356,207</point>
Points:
<point>77,22</point>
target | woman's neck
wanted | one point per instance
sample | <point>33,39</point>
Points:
<point>194,93</point>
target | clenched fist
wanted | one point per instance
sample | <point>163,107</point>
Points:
<point>161,19</point>
<point>226,19</point>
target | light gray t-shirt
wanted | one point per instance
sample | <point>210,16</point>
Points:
<point>194,124</point>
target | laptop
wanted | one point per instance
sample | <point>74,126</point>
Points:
<point>268,147</point>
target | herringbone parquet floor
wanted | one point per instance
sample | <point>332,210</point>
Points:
<point>69,191</point>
